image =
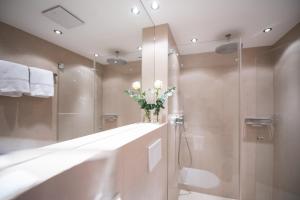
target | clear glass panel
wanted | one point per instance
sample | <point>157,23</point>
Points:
<point>208,142</point>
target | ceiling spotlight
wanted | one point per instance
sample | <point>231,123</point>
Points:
<point>58,32</point>
<point>194,40</point>
<point>154,5</point>
<point>267,30</point>
<point>140,48</point>
<point>96,55</point>
<point>135,10</point>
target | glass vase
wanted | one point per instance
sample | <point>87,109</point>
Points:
<point>155,116</point>
<point>150,116</point>
<point>147,116</point>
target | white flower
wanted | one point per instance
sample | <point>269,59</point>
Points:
<point>158,84</point>
<point>136,85</point>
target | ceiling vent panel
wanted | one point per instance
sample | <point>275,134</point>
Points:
<point>63,17</point>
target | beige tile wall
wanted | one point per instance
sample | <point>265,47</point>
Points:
<point>126,172</point>
<point>270,86</point>
<point>148,61</point>
<point>117,79</point>
<point>134,179</point>
<point>287,115</point>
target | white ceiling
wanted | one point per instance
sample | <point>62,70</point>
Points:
<point>109,24</point>
<point>210,20</point>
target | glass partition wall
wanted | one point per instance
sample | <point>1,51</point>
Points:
<point>94,58</point>
<point>206,131</point>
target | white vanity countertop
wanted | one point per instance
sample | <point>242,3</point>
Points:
<point>23,170</point>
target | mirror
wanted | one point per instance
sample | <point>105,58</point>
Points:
<point>94,49</point>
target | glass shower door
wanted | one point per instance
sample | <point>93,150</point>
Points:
<point>208,144</point>
<point>79,100</point>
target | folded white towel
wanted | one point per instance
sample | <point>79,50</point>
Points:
<point>14,79</point>
<point>41,83</point>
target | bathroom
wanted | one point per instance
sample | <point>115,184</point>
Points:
<point>72,126</point>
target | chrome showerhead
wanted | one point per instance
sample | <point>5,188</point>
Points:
<point>116,60</point>
<point>230,47</point>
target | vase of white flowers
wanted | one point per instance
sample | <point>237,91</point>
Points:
<point>151,100</point>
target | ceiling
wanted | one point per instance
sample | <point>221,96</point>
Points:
<point>109,24</point>
<point>210,20</point>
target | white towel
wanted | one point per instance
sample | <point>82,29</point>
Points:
<point>14,79</point>
<point>41,83</point>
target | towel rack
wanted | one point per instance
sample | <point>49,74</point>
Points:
<point>55,75</point>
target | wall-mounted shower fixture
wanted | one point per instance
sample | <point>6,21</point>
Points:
<point>230,47</point>
<point>178,121</point>
<point>116,60</point>
<point>61,66</point>
<point>176,118</point>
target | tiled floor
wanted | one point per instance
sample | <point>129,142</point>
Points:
<point>186,195</point>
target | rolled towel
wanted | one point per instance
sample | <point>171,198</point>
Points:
<point>41,83</point>
<point>14,79</point>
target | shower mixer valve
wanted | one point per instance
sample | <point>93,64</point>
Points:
<point>176,119</point>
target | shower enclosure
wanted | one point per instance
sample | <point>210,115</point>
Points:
<point>236,132</point>
<point>91,98</point>
<point>207,132</point>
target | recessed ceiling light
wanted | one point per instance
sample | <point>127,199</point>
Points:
<point>267,30</point>
<point>58,32</point>
<point>154,5</point>
<point>194,40</point>
<point>140,48</point>
<point>96,55</point>
<point>135,10</point>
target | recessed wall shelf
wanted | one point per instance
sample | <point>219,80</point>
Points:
<point>264,122</point>
<point>110,116</point>
<point>252,121</point>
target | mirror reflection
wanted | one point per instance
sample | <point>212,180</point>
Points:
<point>74,65</point>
